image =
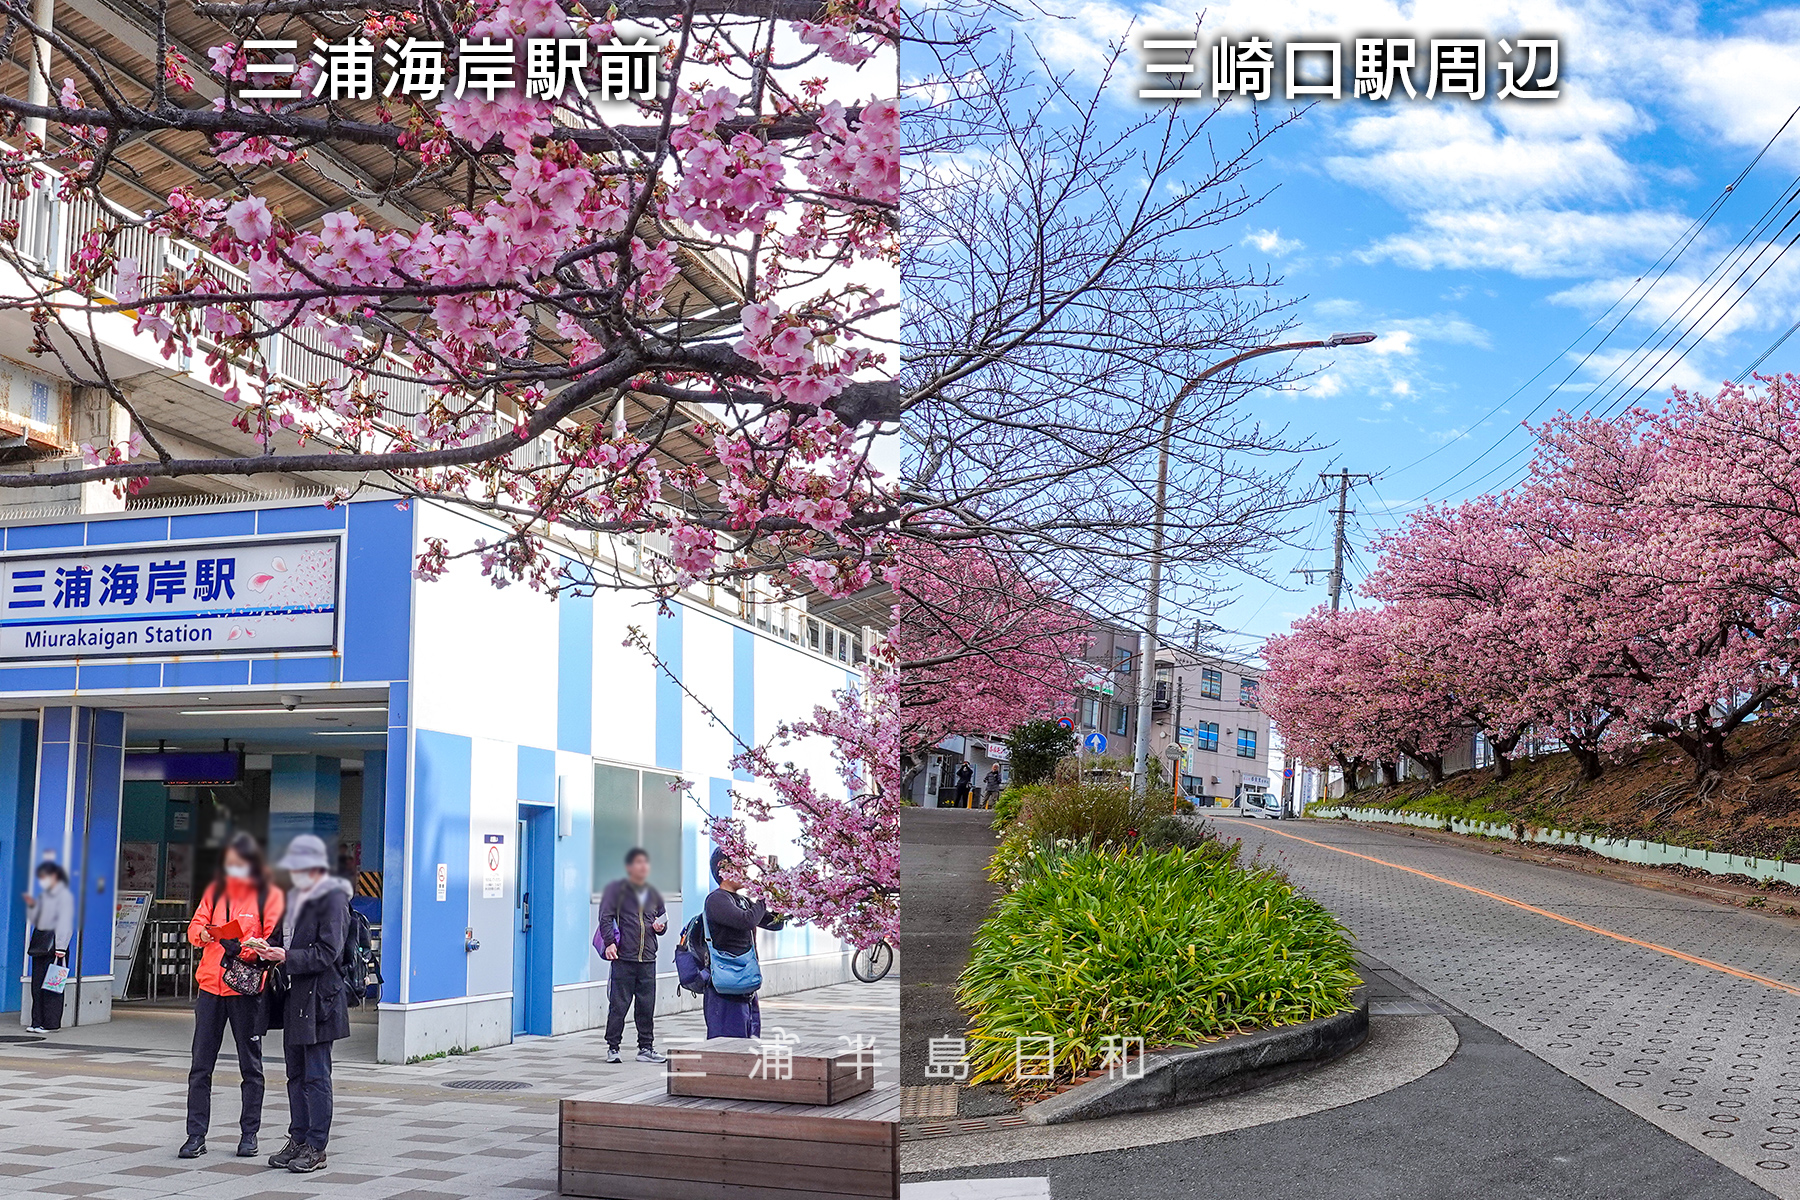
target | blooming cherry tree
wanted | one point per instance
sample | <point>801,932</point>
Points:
<point>646,317</point>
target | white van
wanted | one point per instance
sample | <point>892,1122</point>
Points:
<point>1261,804</point>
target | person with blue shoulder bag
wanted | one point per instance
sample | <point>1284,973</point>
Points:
<point>729,921</point>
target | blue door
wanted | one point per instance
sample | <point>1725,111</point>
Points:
<point>535,845</point>
<point>521,929</point>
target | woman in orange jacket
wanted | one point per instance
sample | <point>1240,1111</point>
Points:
<point>241,893</point>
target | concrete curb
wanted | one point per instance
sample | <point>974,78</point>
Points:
<point>1238,1063</point>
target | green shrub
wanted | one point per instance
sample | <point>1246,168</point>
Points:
<point>1177,948</point>
<point>1035,747</point>
<point>1168,832</point>
<point>1077,809</point>
<point>1009,802</point>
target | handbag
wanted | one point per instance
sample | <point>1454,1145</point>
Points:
<point>241,976</point>
<point>732,974</point>
<point>43,943</point>
<point>56,977</point>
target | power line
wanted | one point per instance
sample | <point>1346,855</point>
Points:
<point>1672,254</point>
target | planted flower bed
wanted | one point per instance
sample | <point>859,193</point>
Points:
<point>1177,946</point>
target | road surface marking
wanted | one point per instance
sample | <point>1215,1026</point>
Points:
<point>1777,984</point>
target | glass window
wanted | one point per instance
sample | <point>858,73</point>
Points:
<point>812,633</point>
<point>1247,693</point>
<point>1124,660</point>
<point>1212,684</point>
<point>1090,712</point>
<point>1208,735</point>
<point>1246,743</point>
<point>662,831</point>
<point>1121,715</point>
<point>615,820</point>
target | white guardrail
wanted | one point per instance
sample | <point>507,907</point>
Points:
<point>1631,850</point>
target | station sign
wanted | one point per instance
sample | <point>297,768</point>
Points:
<point>173,599</point>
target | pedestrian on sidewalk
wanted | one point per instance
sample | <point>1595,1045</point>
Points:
<point>990,786</point>
<point>631,915</point>
<point>965,782</point>
<point>240,894</point>
<point>316,1013</point>
<point>732,920</point>
<point>52,925</point>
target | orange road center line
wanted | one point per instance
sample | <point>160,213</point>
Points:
<point>1710,965</point>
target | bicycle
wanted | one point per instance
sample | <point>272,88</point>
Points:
<point>872,963</point>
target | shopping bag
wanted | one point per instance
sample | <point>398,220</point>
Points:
<point>55,977</point>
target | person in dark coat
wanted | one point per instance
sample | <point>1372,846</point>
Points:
<point>632,913</point>
<point>990,786</point>
<point>317,1013</point>
<point>732,920</point>
<point>965,781</point>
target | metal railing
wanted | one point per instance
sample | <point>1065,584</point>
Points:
<point>51,229</point>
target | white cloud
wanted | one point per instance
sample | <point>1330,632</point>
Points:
<point>1325,387</point>
<point>1397,341</point>
<point>1538,242</point>
<point>1270,241</point>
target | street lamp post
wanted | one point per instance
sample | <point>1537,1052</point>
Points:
<point>1146,682</point>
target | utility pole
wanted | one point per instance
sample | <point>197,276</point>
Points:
<point>1342,510</point>
<point>1146,680</point>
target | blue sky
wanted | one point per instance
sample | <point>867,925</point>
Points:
<point>1481,240</point>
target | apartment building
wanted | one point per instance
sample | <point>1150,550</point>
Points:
<point>1207,719</point>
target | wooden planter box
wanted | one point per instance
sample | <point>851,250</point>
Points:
<point>662,1147</point>
<point>735,1069</point>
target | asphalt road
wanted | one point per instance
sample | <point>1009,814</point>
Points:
<point>1616,1042</point>
<point>945,895</point>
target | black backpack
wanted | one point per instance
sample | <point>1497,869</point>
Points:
<point>358,962</point>
<point>693,958</point>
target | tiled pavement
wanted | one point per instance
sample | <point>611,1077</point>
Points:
<point>1705,1047</point>
<point>105,1123</point>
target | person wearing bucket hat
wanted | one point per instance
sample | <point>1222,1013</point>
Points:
<point>316,1013</point>
<point>732,920</point>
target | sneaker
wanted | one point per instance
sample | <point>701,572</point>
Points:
<point>648,1054</point>
<point>307,1159</point>
<point>36,1029</point>
<point>194,1147</point>
<point>612,1054</point>
<point>286,1154</point>
<point>247,1146</point>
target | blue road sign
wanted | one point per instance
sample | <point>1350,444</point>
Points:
<point>1096,743</point>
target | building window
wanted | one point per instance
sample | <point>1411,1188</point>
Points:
<point>1246,743</point>
<point>636,808</point>
<point>1124,667</point>
<point>1212,684</point>
<point>1121,714</point>
<point>1090,712</point>
<point>813,633</point>
<point>1247,693</point>
<point>1206,735</point>
<point>1165,682</point>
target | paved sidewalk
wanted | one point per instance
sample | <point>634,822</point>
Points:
<point>944,854</point>
<point>105,1123</point>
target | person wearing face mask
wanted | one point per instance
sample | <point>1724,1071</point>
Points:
<point>316,1013</point>
<point>52,925</point>
<point>239,896</point>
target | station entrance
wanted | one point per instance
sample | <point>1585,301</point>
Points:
<point>197,769</point>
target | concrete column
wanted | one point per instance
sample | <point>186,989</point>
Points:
<point>303,798</point>
<point>81,768</point>
<point>99,423</point>
<point>18,796</point>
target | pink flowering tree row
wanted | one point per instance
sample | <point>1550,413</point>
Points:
<point>647,317</point>
<point>981,645</point>
<point>1643,583</point>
